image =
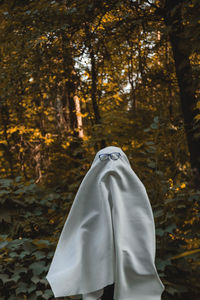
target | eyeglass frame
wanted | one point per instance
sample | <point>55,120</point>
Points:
<point>109,155</point>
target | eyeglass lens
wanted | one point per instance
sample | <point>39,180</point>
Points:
<point>114,156</point>
<point>103,156</point>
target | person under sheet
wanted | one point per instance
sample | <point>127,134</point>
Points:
<point>108,237</point>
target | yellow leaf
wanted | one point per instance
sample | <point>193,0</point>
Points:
<point>43,37</point>
<point>170,182</point>
<point>183,185</point>
<point>50,118</point>
<point>48,141</point>
<point>198,104</point>
<point>11,130</point>
<point>66,145</point>
<point>21,129</point>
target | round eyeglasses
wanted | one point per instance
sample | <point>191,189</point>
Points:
<point>113,156</point>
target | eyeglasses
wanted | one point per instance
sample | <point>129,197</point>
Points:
<point>113,156</point>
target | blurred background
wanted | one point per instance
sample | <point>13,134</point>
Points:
<point>77,76</point>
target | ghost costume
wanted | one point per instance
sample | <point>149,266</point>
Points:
<point>108,237</point>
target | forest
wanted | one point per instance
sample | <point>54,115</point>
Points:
<point>77,76</point>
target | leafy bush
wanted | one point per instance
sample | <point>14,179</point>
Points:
<point>30,225</point>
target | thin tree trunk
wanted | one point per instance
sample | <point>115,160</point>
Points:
<point>94,93</point>
<point>38,160</point>
<point>131,75</point>
<point>79,116</point>
<point>62,118</point>
<point>94,87</point>
<point>94,73</point>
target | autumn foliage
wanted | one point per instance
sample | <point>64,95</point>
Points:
<point>77,76</point>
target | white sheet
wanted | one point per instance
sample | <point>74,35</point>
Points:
<point>108,237</point>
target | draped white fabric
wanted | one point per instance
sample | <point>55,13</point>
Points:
<point>108,237</point>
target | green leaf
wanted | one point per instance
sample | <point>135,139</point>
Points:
<point>31,288</point>
<point>35,279</point>
<point>30,188</point>
<point>72,10</point>
<point>151,149</point>
<point>29,246</point>
<point>154,126</point>
<point>30,199</point>
<point>37,267</point>
<point>18,178</point>
<point>6,182</point>
<point>13,254</point>
<point>39,255</point>
<point>169,201</point>
<point>22,288</point>
<point>43,242</point>
<point>14,244</point>
<point>170,228</point>
<point>4,192</point>
<point>171,290</point>
<point>15,277</point>
<point>147,130</point>
<point>155,119</point>
<point>151,164</point>
<point>44,281</point>
<point>23,254</point>
<point>20,270</point>
<point>19,191</point>
<point>161,264</point>
<point>149,143</point>
<point>38,212</point>
<point>158,213</point>
<point>160,232</point>
<point>4,278</point>
<point>3,244</point>
<point>39,293</point>
<point>47,294</point>
<point>52,196</point>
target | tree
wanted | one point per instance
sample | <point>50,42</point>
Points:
<point>183,34</point>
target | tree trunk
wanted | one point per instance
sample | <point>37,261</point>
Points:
<point>70,86</point>
<point>94,73</point>
<point>181,53</point>
<point>94,93</point>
